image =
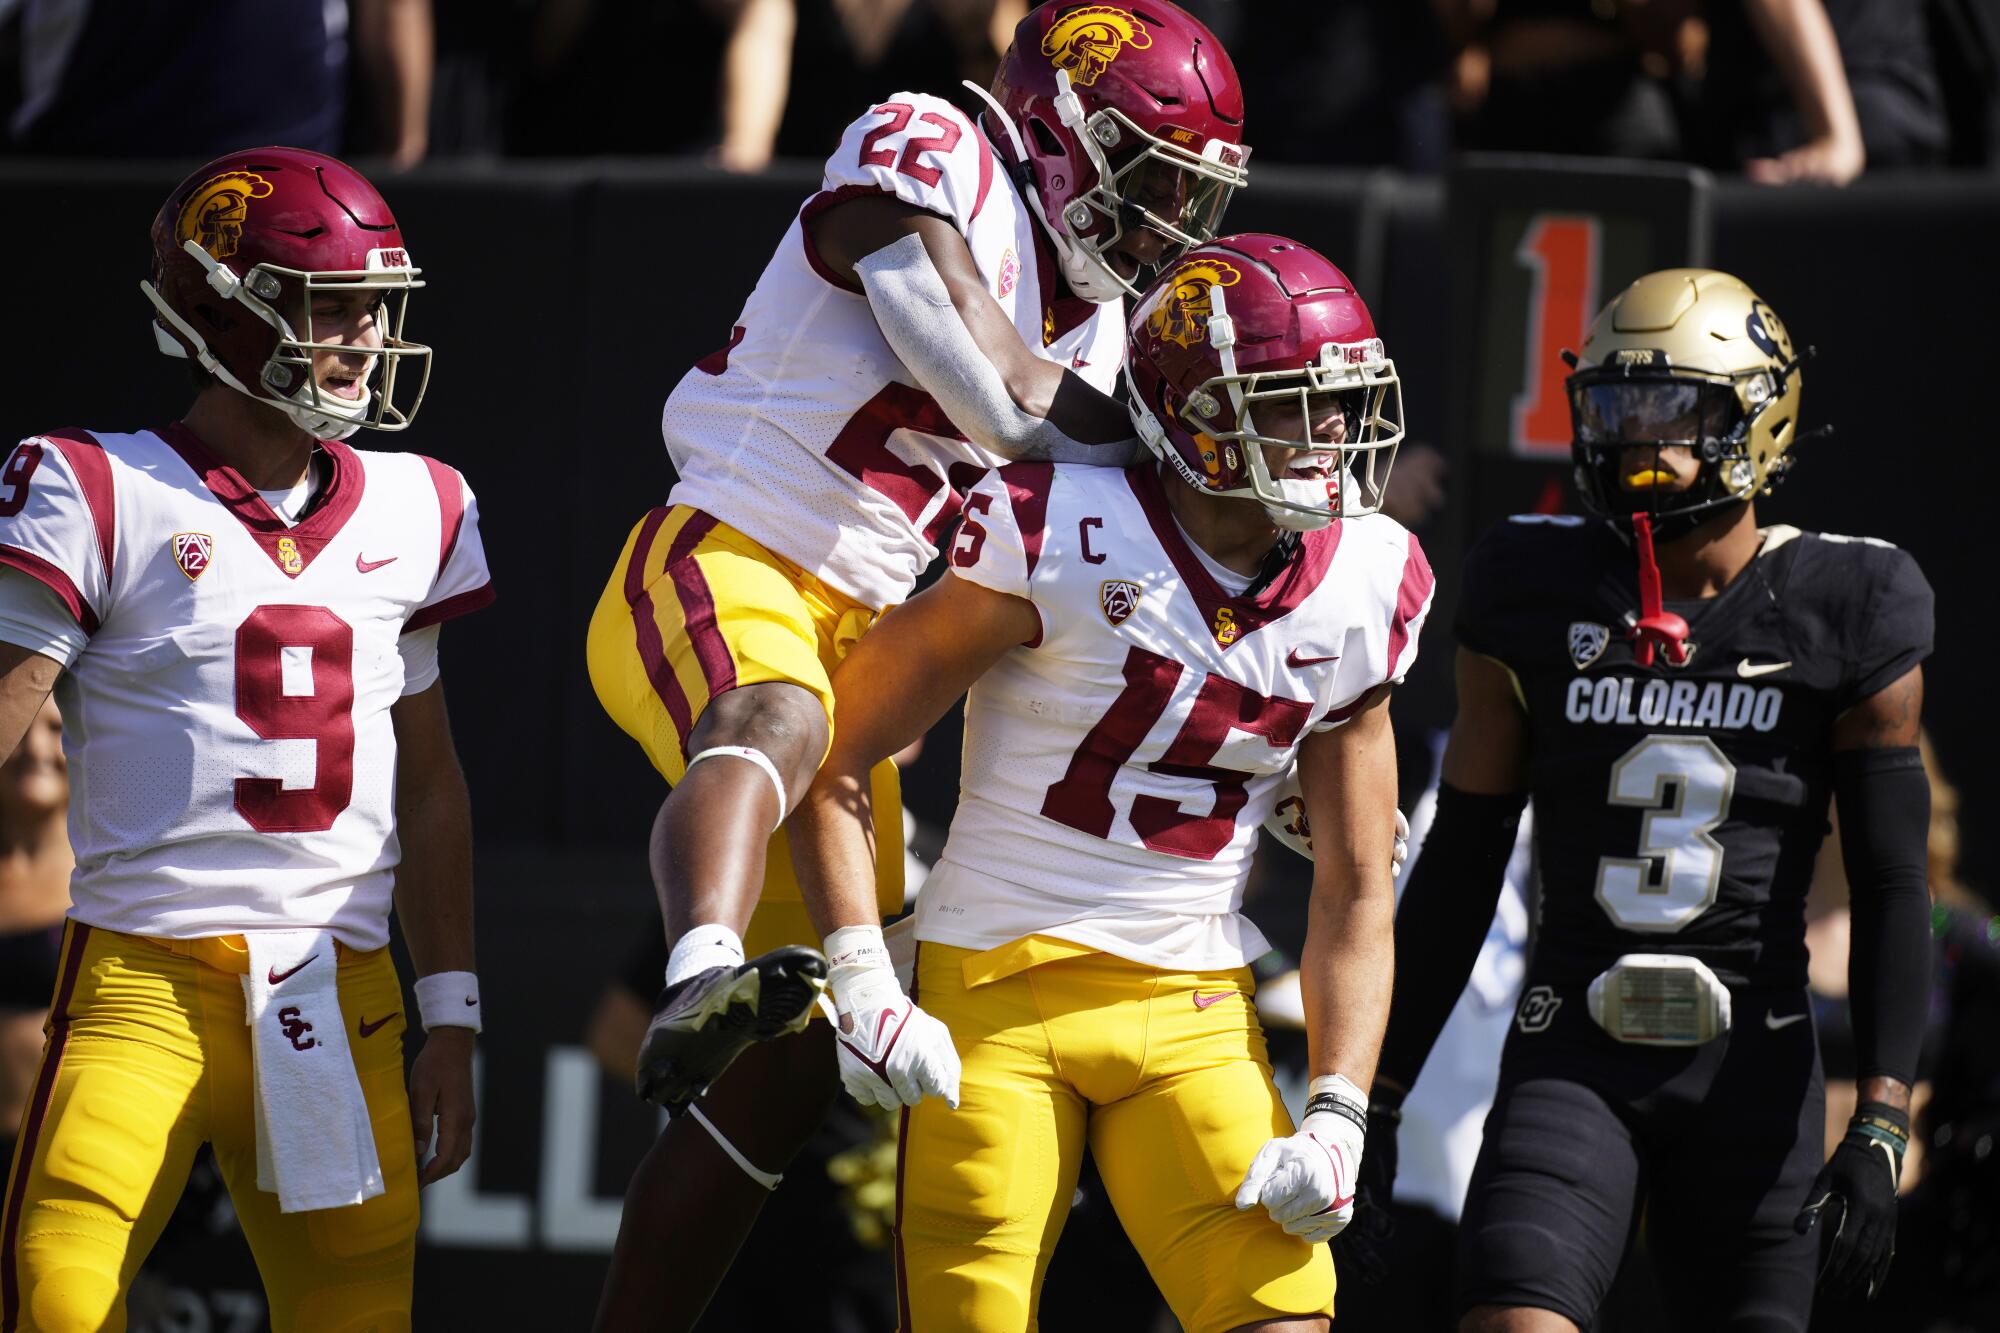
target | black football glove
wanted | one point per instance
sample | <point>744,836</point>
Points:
<point>1361,1251</point>
<point>1856,1192</point>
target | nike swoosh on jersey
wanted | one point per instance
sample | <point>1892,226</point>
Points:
<point>369,1029</point>
<point>1773,1022</point>
<point>1203,1001</point>
<point>1751,670</point>
<point>276,976</point>
<point>1077,362</point>
<point>1293,660</point>
<point>369,566</point>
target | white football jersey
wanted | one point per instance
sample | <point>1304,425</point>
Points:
<point>806,432</point>
<point>1116,769</point>
<point>231,758</point>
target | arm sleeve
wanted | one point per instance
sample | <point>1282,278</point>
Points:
<point>914,310</point>
<point>1443,919</point>
<point>463,584</point>
<point>919,149</point>
<point>999,542</point>
<point>1894,632</point>
<point>1884,800</point>
<point>56,529</point>
<point>419,649</point>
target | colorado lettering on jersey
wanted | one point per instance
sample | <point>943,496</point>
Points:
<point>1698,705</point>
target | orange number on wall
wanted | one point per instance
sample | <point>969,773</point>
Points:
<point>1560,253</point>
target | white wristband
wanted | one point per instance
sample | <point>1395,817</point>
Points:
<point>859,974</point>
<point>449,1000</point>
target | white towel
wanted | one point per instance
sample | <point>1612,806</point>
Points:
<point>315,1144</point>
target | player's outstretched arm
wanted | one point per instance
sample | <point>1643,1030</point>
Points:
<point>26,677</point>
<point>1347,779</point>
<point>434,904</point>
<point>1447,906</point>
<point>933,308</point>
<point>1883,796</point>
<point>898,680</point>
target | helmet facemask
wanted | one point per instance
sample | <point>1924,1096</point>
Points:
<point>1156,184</point>
<point>286,379</point>
<point>1713,415</point>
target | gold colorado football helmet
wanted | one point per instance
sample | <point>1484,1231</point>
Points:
<point>1692,357</point>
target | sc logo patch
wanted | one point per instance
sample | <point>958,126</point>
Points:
<point>1538,1010</point>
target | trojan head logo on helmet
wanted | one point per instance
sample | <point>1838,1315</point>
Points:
<point>213,215</point>
<point>1085,41</point>
<point>1685,357</point>
<point>1114,119</point>
<point>1181,314</point>
<point>240,250</point>
<point>1254,370</point>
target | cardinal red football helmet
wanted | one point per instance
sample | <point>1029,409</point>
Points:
<point>239,250</point>
<point>1247,342</point>
<point>1118,117</point>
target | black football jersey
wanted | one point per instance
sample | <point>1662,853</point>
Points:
<point>1678,809</point>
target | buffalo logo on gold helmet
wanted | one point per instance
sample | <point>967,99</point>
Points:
<point>1085,41</point>
<point>1180,313</point>
<point>214,212</point>
<point>1690,358</point>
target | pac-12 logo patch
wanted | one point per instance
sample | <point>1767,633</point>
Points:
<point>1119,598</point>
<point>1538,1010</point>
<point>1010,273</point>
<point>214,212</point>
<point>1085,41</point>
<point>1587,642</point>
<point>192,552</point>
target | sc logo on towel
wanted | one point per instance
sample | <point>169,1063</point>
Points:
<point>295,1028</point>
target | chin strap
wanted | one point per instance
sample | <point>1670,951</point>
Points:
<point>1656,625</point>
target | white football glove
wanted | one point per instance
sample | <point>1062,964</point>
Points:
<point>1306,1181</point>
<point>892,1054</point>
<point>1288,825</point>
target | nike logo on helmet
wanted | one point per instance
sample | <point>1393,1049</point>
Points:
<point>370,566</point>
<point>276,976</point>
<point>369,1029</point>
<point>1751,670</point>
<point>1203,1001</point>
<point>1293,660</point>
<point>1773,1022</point>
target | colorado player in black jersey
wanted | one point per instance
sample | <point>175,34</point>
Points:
<point>1680,692</point>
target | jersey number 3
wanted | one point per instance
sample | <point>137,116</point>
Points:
<point>1684,784</point>
<point>312,701</point>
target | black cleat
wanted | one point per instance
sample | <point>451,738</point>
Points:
<point>703,1023</point>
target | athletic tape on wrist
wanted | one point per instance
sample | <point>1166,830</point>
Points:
<point>757,757</point>
<point>448,1000</point>
<point>764,1178</point>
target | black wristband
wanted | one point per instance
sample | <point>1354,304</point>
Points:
<point>1340,1106</point>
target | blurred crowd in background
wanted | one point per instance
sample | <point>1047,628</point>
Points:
<point>1781,90</point>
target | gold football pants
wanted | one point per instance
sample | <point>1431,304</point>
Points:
<point>694,608</point>
<point>1163,1074</point>
<point>148,1057</point>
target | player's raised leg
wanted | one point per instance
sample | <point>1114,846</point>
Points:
<point>705,649</point>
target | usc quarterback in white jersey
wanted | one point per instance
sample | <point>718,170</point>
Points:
<point>239,616</point>
<point>1149,655</point>
<point>229,724</point>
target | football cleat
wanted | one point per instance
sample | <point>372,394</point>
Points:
<point>701,1024</point>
